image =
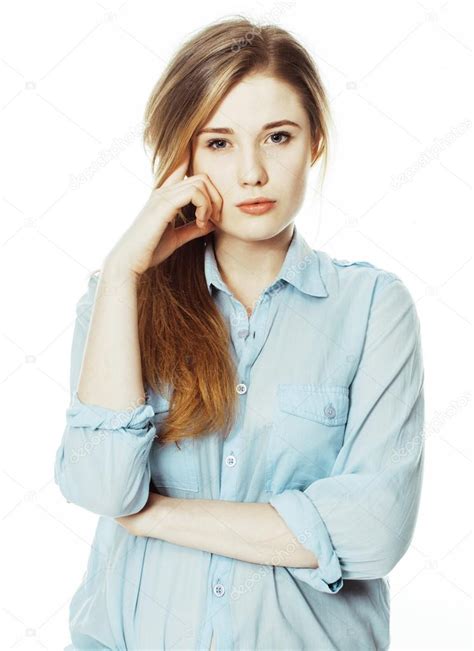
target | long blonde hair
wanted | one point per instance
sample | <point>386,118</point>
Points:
<point>184,340</point>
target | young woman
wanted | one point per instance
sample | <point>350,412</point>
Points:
<point>245,410</point>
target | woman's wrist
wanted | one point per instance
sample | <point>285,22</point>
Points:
<point>114,270</point>
<point>149,520</point>
<point>155,515</point>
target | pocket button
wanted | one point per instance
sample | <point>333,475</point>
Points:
<point>329,410</point>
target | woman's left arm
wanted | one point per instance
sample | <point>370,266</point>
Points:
<point>248,531</point>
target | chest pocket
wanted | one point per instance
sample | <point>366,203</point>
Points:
<point>171,467</point>
<point>306,435</point>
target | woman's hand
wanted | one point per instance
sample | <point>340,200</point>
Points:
<point>152,237</point>
<point>145,522</point>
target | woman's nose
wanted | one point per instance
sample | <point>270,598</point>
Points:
<point>252,170</point>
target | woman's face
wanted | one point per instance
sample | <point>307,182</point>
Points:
<point>252,159</point>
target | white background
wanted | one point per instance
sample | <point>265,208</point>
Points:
<point>75,77</point>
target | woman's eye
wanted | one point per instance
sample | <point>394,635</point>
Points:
<point>285,134</point>
<point>281,133</point>
<point>212,142</point>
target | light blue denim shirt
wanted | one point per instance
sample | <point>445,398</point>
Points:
<point>329,432</point>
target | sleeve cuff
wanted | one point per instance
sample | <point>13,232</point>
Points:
<point>304,520</point>
<point>138,419</point>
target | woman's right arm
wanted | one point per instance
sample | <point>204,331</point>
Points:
<point>102,462</point>
<point>111,369</point>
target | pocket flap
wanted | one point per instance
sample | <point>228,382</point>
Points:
<point>325,404</point>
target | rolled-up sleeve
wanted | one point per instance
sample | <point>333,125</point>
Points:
<point>360,520</point>
<point>102,463</point>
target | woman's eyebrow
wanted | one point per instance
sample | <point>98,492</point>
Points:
<point>269,125</point>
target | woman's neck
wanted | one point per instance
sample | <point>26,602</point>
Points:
<point>247,268</point>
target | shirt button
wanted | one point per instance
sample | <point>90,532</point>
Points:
<point>230,460</point>
<point>219,590</point>
<point>242,333</point>
<point>241,388</point>
<point>329,410</point>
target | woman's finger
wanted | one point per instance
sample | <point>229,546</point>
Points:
<point>215,197</point>
<point>205,213</point>
<point>202,201</point>
<point>178,173</point>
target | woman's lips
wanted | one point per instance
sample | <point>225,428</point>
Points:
<point>257,208</point>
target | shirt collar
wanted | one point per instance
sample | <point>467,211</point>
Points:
<point>301,267</point>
